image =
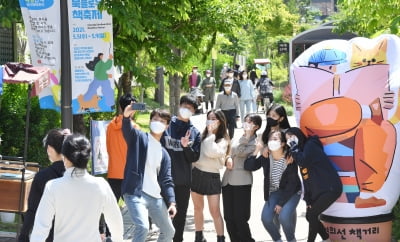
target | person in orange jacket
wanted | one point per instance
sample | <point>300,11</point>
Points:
<point>116,149</point>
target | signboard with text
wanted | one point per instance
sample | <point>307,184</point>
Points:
<point>283,47</point>
<point>42,24</point>
<point>91,57</point>
<point>91,50</point>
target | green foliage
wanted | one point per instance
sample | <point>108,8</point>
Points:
<point>12,125</point>
<point>169,33</point>
<point>367,18</point>
<point>10,12</point>
<point>278,98</point>
<point>396,221</point>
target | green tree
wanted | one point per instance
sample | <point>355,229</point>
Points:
<point>10,12</point>
<point>171,32</point>
<point>368,18</point>
<point>12,125</point>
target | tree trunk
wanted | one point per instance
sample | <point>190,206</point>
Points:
<point>126,82</point>
<point>79,124</point>
<point>159,95</point>
<point>124,86</point>
<point>175,82</point>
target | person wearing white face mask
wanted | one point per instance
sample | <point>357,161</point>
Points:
<point>322,184</point>
<point>194,78</point>
<point>231,78</point>
<point>228,102</point>
<point>215,146</point>
<point>247,95</point>
<point>148,188</point>
<point>237,182</point>
<point>282,187</point>
<point>208,87</point>
<point>182,141</point>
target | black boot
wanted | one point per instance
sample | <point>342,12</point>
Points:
<point>199,237</point>
<point>220,238</point>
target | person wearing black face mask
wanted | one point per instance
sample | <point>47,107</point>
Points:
<point>277,120</point>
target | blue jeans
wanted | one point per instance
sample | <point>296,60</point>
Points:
<point>286,218</point>
<point>140,208</point>
<point>245,104</point>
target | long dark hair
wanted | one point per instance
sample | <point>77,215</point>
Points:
<point>222,132</point>
<point>284,124</point>
<point>299,134</point>
<point>253,76</point>
<point>91,64</point>
<point>241,75</point>
<point>54,138</point>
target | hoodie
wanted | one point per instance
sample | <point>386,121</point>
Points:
<point>181,157</point>
<point>116,148</point>
<point>318,173</point>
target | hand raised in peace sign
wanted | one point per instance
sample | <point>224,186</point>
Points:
<point>185,139</point>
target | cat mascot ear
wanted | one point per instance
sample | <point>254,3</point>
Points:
<point>363,56</point>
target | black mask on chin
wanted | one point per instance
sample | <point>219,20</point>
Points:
<point>272,122</point>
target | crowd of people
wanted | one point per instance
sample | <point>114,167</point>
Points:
<point>157,173</point>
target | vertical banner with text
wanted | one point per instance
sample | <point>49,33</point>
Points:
<point>99,147</point>
<point>42,24</point>
<point>91,57</point>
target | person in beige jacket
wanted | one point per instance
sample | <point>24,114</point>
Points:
<point>215,146</point>
<point>236,182</point>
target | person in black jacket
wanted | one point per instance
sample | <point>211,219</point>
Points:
<point>235,82</point>
<point>182,141</point>
<point>52,143</point>
<point>322,185</point>
<point>282,187</point>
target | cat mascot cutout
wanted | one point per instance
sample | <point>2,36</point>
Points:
<point>347,93</point>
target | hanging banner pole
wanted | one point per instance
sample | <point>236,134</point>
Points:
<point>66,90</point>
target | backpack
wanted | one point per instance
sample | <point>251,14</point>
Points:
<point>265,87</point>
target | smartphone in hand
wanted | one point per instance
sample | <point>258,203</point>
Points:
<point>138,106</point>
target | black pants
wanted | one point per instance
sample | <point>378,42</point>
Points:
<point>237,206</point>
<point>211,103</point>
<point>312,215</point>
<point>230,116</point>
<point>115,185</point>
<point>182,195</point>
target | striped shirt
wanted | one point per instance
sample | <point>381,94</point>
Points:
<point>277,169</point>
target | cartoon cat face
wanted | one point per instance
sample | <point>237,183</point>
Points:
<point>364,57</point>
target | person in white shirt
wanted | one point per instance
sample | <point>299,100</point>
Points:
<point>215,146</point>
<point>148,187</point>
<point>76,200</point>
